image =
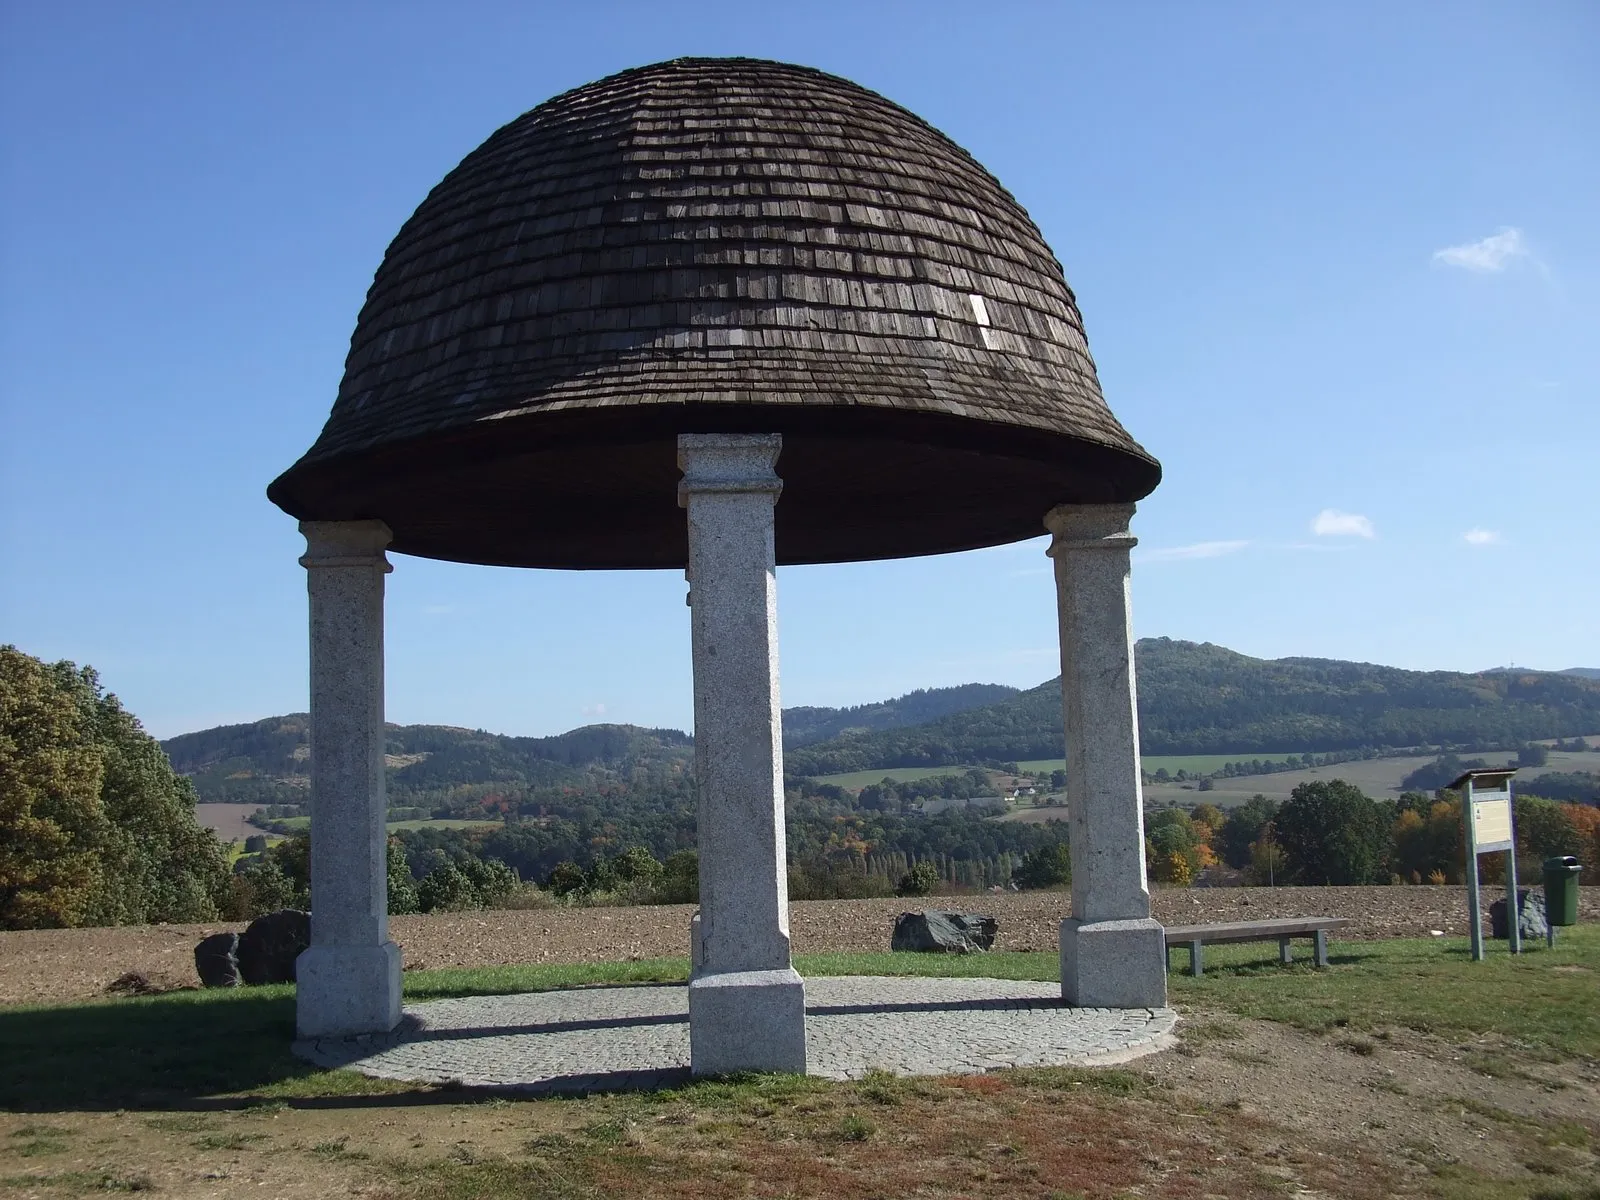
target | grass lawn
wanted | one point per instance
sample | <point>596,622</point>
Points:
<point>212,1071</point>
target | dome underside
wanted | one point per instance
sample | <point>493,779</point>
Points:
<point>705,246</point>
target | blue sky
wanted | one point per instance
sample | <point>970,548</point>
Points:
<point>1339,266</point>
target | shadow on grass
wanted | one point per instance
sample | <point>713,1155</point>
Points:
<point>184,1050</point>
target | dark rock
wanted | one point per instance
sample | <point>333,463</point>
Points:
<point>1531,918</point>
<point>268,948</point>
<point>216,960</point>
<point>943,932</point>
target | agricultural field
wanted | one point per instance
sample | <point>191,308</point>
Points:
<point>1378,777</point>
<point>856,780</point>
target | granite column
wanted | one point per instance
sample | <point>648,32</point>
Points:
<point>746,1002</point>
<point>349,979</point>
<point>1113,955</point>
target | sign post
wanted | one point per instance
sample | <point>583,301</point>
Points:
<point>1490,827</point>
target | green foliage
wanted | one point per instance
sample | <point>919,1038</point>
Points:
<point>1045,867</point>
<point>803,726</point>
<point>680,878</point>
<point>1544,830</point>
<point>1242,827</point>
<point>566,880</point>
<point>921,880</point>
<point>1579,787</point>
<point>1333,834</point>
<point>403,897</point>
<point>1440,773</point>
<point>95,827</point>
<point>446,888</point>
<point>1532,755</point>
<point>1205,699</point>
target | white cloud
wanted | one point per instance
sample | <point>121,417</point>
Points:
<point>1197,550</point>
<point>1493,253</point>
<point>1480,537</point>
<point>594,710</point>
<point>1330,522</point>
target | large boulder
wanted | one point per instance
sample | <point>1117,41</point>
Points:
<point>1530,916</point>
<point>943,932</point>
<point>268,948</point>
<point>216,960</point>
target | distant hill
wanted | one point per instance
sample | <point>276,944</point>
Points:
<point>1206,699</point>
<point>803,726</point>
<point>265,762</point>
<point>1582,672</point>
<point>1193,699</point>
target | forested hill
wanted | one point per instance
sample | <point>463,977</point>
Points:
<point>803,726</point>
<point>265,762</point>
<point>1206,699</point>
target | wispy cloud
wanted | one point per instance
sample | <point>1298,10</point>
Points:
<point>594,710</point>
<point>1490,255</point>
<point>1197,550</point>
<point>1480,537</point>
<point>1330,522</point>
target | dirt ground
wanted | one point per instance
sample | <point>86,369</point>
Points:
<point>52,966</point>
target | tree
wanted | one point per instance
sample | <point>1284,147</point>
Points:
<point>403,896</point>
<point>1333,834</point>
<point>1242,827</point>
<point>95,826</point>
<point>446,888</point>
<point>680,878</point>
<point>920,880</point>
<point>1047,866</point>
<point>1532,755</point>
<point>567,879</point>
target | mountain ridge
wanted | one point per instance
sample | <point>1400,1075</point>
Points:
<point>1194,698</point>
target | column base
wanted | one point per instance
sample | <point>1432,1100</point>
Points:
<point>747,1021</point>
<point>344,990</point>
<point>1113,964</point>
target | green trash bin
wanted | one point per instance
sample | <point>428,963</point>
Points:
<point>1561,890</point>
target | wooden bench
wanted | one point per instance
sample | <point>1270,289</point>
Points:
<point>1196,936</point>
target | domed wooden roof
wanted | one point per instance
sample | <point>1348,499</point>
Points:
<point>715,245</point>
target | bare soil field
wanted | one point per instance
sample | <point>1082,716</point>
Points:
<point>56,965</point>
<point>227,820</point>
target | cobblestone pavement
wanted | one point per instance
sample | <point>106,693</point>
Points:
<point>594,1039</point>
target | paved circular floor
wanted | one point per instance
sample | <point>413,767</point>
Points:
<point>594,1039</point>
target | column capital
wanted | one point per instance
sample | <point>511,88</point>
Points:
<point>1089,527</point>
<point>728,462</point>
<point>346,544</point>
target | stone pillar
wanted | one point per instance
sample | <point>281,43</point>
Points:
<point>746,1003</point>
<point>349,980</point>
<point>1112,954</point>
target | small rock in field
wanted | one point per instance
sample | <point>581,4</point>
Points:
<point>216,960</point>
<point>268,948</point>
<point>943,932</point>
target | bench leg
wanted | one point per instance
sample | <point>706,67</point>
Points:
<point>1285,951</point>
<point>1196,967</point>
<point>1322,947</point>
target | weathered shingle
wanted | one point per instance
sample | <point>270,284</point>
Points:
<point>702,235</point>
